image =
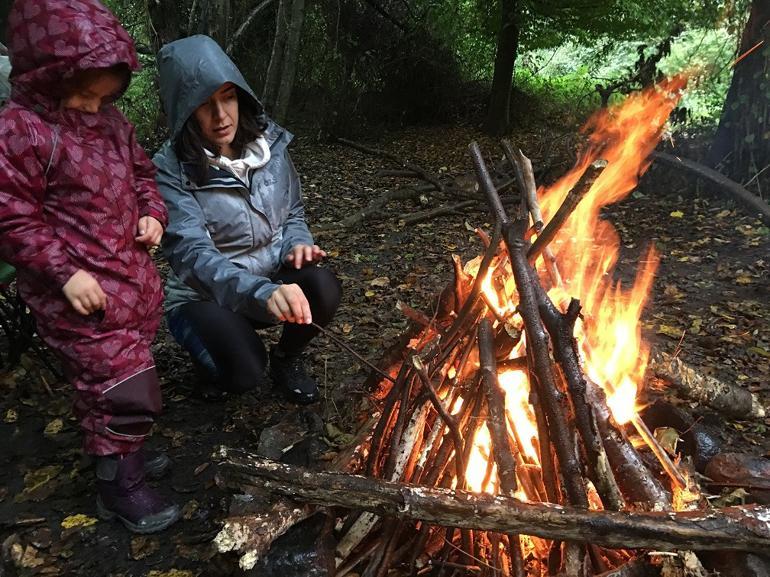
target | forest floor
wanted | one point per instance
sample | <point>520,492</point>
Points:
<point>711,298</point>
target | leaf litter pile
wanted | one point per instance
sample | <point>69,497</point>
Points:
<point>710,305</point>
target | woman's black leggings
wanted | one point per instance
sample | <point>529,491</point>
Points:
<point>225,342</point>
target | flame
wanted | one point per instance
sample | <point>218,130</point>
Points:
<point>586,250</point>
<point>587,247</point>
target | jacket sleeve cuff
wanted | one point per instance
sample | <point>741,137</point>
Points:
<point>160,216</point>
<point>64,272</point>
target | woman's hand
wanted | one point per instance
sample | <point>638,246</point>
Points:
<point>84,293</point>
<point>289,304</point>
<point>149,231</point>
<point>304,254</point>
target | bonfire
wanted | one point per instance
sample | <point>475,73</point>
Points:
<point>509,439</point>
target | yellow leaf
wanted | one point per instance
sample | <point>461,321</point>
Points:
<point>36,480</point>
<point>53,428</point>
<point>744,279</point>
<point>346,328</point>
<point>11,416</point>
<point>723,213</point>
<point>78,520</point>
<point>673,332</point>
<point>677,214</point>
<point>370,294</point>
<point>668,438</point>
<point>381,281</point>
<point>170,573</point>
<point>760,351</point>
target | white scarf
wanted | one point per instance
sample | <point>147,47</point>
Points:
<point>256,154</point>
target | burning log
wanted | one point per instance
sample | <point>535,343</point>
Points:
<point>524,173</point>
<point>537,338</point>
<point>567,208</point>
<point>740,528</point>
<point>730,400</point>
<point>634,479</point>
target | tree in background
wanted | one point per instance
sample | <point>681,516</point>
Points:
<point>498,113</point>
<point>741,144</point>
<point>284,58</point>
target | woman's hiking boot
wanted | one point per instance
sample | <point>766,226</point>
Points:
<point>290,376</point>
<point>123,494</point>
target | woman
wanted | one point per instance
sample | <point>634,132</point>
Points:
<point>241,253</point>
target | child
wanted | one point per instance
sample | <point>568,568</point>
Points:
<point>78,212</point>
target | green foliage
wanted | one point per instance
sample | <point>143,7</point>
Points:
<point>573,70</point>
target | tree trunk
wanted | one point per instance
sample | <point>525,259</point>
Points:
<point>290,59</point>
<point>164,18</point>
<point>275,68</point>
<point>215,20</point>
<point>742,141</point>
<point>498,114</point>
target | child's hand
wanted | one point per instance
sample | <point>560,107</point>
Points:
<point>303,254</point>
<point>288,303</point>
<point>84,293</point>
<point>149,231</point>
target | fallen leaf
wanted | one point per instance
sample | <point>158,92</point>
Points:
<point>672,291</point>
<point>30,558</point>
<point>53,428</point>
<point>381,281</point>
<point>668,437</point>
<point>677,214</point>
<point>78,520</point>
<point>11,416</point>
<point>370,294</point>
<point>744,279</point>
<point>39,484</point>
<point>759,351</point>
<point>346,328</point>
<point>669,331</point>
<point>170,573</point>
<point>736,497</point>
<point>189,509</point>
<point>142,547</point>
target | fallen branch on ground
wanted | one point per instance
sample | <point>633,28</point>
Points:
<point>751,202</point>
<point>744,528</point>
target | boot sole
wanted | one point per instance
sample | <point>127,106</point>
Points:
<point>164,520</point>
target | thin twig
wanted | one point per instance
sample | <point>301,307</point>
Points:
<point>339,342</point>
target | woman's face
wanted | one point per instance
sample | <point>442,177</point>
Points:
<point>218,118</point>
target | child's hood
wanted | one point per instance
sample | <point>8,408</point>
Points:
<point>191,70</point>
<point>49,40</point>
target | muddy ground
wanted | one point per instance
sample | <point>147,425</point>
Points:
<point>711,299</point>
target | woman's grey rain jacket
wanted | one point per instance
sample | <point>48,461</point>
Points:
<point>224,239</point>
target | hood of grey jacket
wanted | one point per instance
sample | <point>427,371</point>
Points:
<point>190,71</point>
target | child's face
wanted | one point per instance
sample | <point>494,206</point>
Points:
<point>92,89</point>
<point>218,117</point>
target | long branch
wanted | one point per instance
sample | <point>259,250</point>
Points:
<point>567,208</point>
<point>745,528</point>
